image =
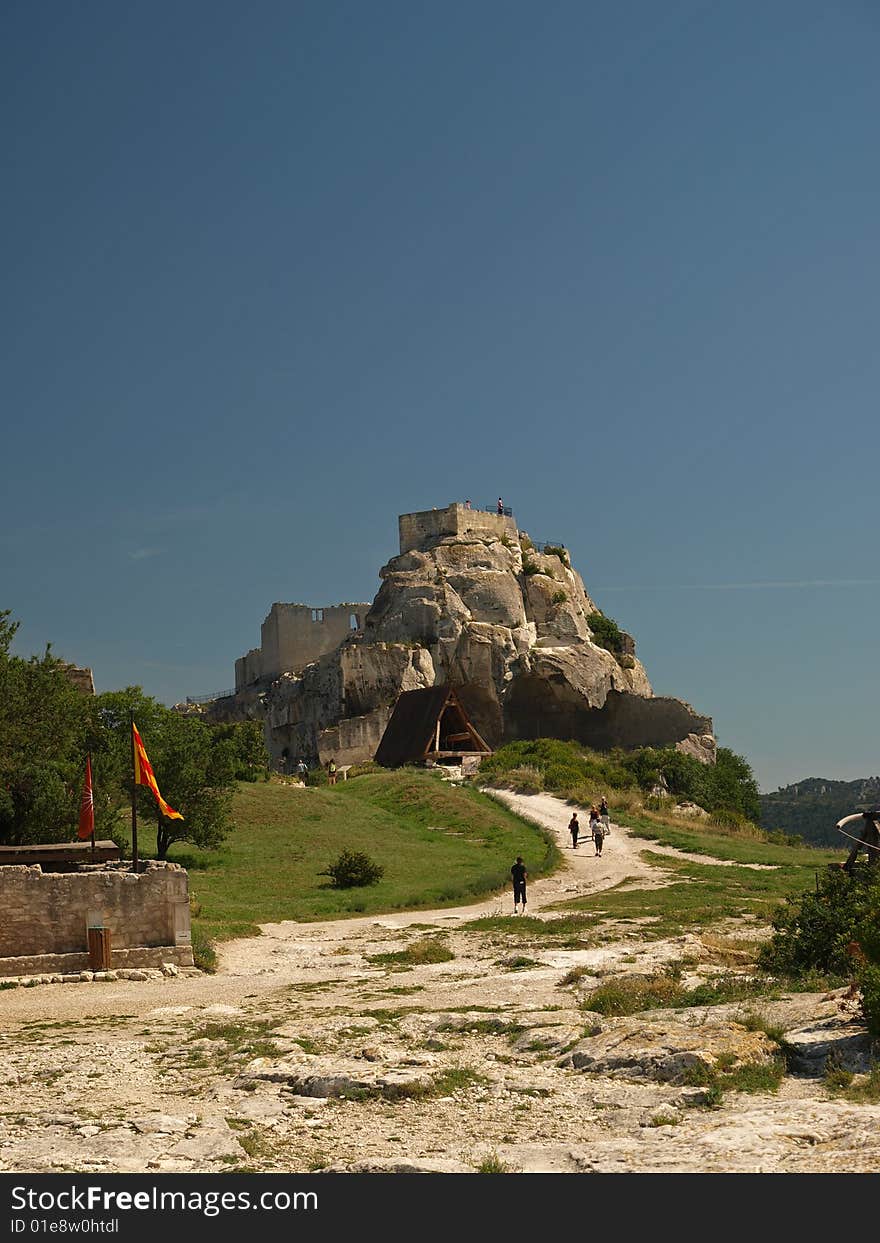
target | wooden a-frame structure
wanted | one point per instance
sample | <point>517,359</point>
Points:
<point>429,726</point>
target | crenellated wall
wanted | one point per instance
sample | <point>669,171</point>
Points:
<point>418,530</point>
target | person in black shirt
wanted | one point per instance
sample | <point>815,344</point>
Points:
<point>519,874</point>
<point>574,829</point>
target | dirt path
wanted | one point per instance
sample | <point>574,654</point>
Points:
<point>285,951</point>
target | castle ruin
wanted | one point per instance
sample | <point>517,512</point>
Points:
<point>469,601</point>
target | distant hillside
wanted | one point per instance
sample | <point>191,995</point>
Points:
<point>813,806</point>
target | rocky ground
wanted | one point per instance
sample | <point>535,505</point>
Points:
<point>361,1045</point>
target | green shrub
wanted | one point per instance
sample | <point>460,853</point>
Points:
<point>834,930</point>
<point>353,869</point>
<point>555,550</point>
<point>530,567</point>
<point>559,597</point>
<point>868,977</point>
<point>606,632</point>
<point>316,777</point>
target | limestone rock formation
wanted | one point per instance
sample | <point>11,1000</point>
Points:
<point>469,600</point>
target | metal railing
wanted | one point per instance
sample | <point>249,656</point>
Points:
<point>209,698</point>
<point>493,509</point>
<point>543,545</point>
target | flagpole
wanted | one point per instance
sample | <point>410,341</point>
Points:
<point>93,807</point>
<point>134,814</point>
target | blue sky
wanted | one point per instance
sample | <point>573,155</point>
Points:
<point>274,273</point>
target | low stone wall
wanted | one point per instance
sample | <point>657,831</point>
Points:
<point>47,914</point>
<point>72,964</point>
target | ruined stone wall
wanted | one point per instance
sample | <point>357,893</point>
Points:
<point>295,635</point>
<point>248,669</point>
<point>49,912</point>
<point>355,739</point>
<point>419,529</point>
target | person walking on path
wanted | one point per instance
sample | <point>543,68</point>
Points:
<point>574,829</point>
<point>331,772</point>
<point>519,874</point>
<point>598,829</point>
<point>604,815</point>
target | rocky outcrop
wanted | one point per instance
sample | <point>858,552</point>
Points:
<point>510,626</point>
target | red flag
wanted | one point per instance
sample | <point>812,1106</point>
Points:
<point>87,806</point>
<point>144,776</point>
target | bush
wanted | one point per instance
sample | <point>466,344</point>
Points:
<point>353,869</point>
<point>606,633</point>
<point>555,550</point>
<point>834,930</point>
<point>868,977</point>
<point>316,777</point>
<point>559,597</point>
<point>530,567</point>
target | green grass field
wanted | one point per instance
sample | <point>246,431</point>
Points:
<point>439,845</point>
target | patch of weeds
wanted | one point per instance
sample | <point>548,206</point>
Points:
<point>484,1027</point>
<point>531,926</point>
<point>575,974</point>
<point>456,1079</point>
<point>385,1018</point>
<point>239,1041</point>
<point>746,1077</point>
<point>862,1090</point>
<point>238,1124</point>
<point>491,1163</point>
<point>519,962</point>
<point>754,1078</point>
<point>665,1118</point>
<point>425,950</point>
<point>633,994</point>
<point>836,1075</point>
<point>204,953</point>
<point>257,1146</point>
<point>308,1045</point>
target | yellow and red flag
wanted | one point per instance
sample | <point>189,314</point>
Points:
<point>144,775</point>
<point>87,806</point>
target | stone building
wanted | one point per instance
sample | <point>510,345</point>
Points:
<point>293,636</point>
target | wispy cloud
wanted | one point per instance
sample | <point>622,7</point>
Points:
<point>140,554</point>
<point>782,584</point>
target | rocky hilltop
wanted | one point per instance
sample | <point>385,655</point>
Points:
<point>471,601</point>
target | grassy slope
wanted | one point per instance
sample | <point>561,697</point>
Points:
<point>738,847</point>
<point>439,846</point>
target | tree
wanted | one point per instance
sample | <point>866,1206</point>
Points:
<point>46,727</point>
<point>196,767</point>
